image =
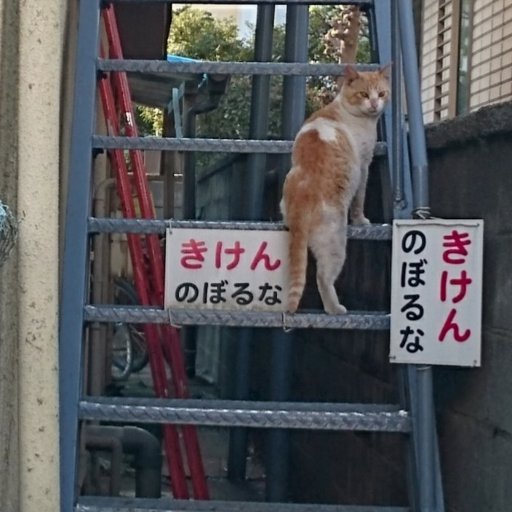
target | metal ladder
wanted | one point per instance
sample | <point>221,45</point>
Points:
<point>162,341</point>
<point>391,26</point>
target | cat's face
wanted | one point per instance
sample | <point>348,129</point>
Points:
<point>366,93</point>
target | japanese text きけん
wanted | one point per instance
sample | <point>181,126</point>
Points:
<point>226,269</point>
<point>436,295</point>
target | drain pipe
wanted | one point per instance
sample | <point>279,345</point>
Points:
<point>97,371</point>
<point>115,447</point>
<point>138,442</point>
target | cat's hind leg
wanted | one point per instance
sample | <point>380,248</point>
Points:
<point>357,216</point>
<point>329,248</point>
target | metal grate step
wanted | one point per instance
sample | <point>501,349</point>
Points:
<point>236,413</point>
<point>179,317</point>
<point>103,504</point>
<point>362,3</point>
<point>203,145</point>
<point>228,68</point>
<point>158,226</point>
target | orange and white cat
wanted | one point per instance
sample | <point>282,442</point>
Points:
<point>327,181</point>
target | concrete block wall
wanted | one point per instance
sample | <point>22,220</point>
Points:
<point>470,178</point>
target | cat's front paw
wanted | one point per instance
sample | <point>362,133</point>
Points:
<point>360,220</point>
<point>335,309</point>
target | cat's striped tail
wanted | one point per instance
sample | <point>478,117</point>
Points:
<point>298,261</point>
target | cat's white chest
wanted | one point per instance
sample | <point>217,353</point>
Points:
<point>364,138</point>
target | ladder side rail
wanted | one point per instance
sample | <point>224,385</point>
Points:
<point>425,419</point>
<point>172,350</point>
<point>120,82</point>
<point>171,438</point>
<point>400,195</point>
<point>76,249</point>
<point>170,340</point>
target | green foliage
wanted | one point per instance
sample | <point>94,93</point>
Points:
<point>319,17</point>
<point>195,33</point>
<point>149,120</point>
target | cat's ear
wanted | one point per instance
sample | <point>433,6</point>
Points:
<point>385,71</point>
<point>350,74</point>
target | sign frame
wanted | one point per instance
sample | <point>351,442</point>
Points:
<point>226,269</point>
<point>436,292</point>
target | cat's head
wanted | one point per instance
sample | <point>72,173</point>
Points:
<point>366,93</point>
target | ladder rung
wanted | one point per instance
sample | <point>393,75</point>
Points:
<point>230,413</point>
<point>362,3</point>
<point>228,68</point>
<point>203,145</point>
<point>159,226</point>
<point>104,504</point>
<point>149,315</point>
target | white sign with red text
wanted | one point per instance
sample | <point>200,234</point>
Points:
<point>226,269</point>
<point>436,292</point>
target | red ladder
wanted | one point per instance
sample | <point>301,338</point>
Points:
<point>162,341</point>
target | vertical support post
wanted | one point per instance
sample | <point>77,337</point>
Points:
<point>418,146</point>
<point>74,277</point>
<point>253,187</point>
<point>189,170</point>
<point>385,36</point>
<point>396,116</point>
<point>294,87</point>
<point>189,333</point>
<point>425,421</point>
<point>425,439</point>
<point>294,94</point>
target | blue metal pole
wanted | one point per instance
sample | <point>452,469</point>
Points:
<point>294,87</point>
<point>418,146</point>
<point>426,436</point>
<point>294,102</point>
<point>254,183</point>
<point>396,107</point>
<point>425,431</point>
<point>252,187</point>
<point>76,249</point>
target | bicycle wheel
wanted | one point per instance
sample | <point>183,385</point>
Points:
<point>131,341</point>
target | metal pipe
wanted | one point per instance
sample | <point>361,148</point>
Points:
<point>278,442</point>
<point>238,438</point>
<point>146,450</point>
<point>396,117</point>
<point>114,446</point>
<point>425,411</point>
<point>294,87</point>
<point>418,146</point>
<point>189,168</point>
<point>253,187</point>
<point>294,104</point>
<point>425,434</point>
<point>97,353</point>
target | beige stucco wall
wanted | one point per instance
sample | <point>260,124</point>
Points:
<point>31,46</point>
